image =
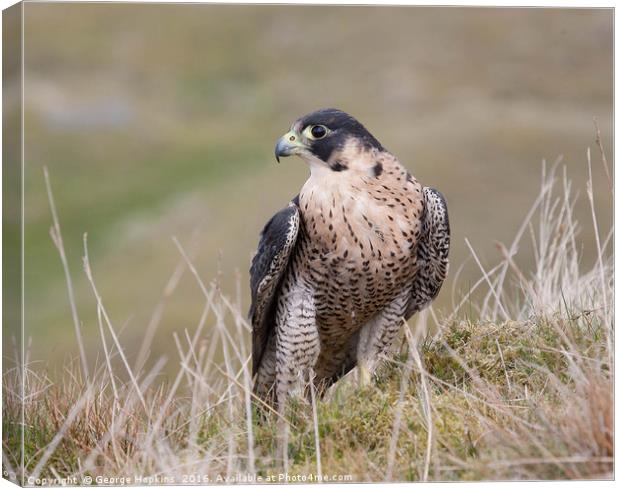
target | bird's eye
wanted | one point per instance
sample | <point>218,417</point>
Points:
<point>318,131</point>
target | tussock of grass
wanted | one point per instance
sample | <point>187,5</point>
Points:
<point>524,391</point>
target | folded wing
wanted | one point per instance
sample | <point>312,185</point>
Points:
<point>433,249</point>
<point>275,248</point>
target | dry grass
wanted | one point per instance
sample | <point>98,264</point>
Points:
<point>523,391</point>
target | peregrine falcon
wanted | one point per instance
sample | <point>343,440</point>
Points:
<point>363,246</point>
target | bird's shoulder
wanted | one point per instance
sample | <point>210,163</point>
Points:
<point>276,242</point>
<point>403,190</point>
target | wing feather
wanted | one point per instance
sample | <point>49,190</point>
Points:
<point>276,245</point>
<point>432,253</point>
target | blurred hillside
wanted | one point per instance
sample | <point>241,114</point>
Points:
<point>160,120</point>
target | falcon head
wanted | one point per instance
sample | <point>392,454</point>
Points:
<point>328,138</point>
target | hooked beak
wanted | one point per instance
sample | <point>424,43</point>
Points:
<point>288,144</point>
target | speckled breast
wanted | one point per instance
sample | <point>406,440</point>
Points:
<point>359,246</point>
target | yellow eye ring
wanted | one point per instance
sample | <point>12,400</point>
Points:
<point>316,131</point>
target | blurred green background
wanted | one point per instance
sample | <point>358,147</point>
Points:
<point>160,120</point>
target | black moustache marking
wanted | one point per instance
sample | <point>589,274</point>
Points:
<point>338,166</point>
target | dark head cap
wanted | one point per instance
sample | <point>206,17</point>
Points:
<point>340,127</point>
<point>321,134</point>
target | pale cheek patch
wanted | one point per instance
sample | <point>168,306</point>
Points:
<point>354,157</point>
